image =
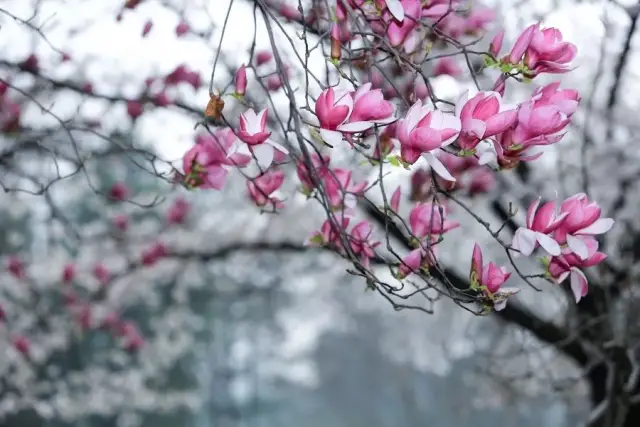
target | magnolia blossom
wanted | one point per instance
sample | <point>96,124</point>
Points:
<point>261,189</point>
<point>263,57</point>
<point>361,243</point>
<point>543,50</point>
<point>490,278</point>
<point>253,132</point>
<point>22,344</point>
<point>539,225</point>
<point>540,122</point>
<point>241,80</point>
<point>399,29</point>
<point>583,219</point>
<point>482,116</point>
<point>418,259</point>
<point>447,66</point>
<point>341,191</point>
<point>430,219</point>
<point>339,111</point>
<point>15,266</point>
<point>371,107</point>
<point>69,273</point>
<point>330,233</point>
<point>206,164</point>
<point>320,167</point>
<point>178,212</point>
<point>568,264</point>
<point>424,130</point>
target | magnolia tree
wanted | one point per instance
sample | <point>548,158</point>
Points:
<point>342,104</point>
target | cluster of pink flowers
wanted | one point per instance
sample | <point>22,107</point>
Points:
<point>457,145</point>
<point>568,235</point>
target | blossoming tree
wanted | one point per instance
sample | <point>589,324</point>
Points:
<point>347,131</point>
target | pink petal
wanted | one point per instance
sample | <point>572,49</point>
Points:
<point>438,167</point>
<point>599,227</point>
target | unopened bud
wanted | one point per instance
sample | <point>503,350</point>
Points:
<point>336,46</point>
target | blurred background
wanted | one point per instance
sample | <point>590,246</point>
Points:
<point>127,300</point>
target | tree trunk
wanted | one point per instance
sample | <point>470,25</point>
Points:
<point>619,412</point>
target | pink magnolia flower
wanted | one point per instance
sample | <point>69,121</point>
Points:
<point>369,106</point>
<point>541,122</point>
<point>206,164</point>
<point>178,211</point>
<point>424,130</point>
<point>69,273</point>
<point>15,267</point>
<point>398,30</point>
<point>447,66</point>
<point>182,28</point>
<point>540,224</point>
<point>583,219</point>
<point>182,74</point>
<point>483,116</point>
<point>152,255</point>
<point>490,278</point>
<point>101,272</point>
<point>274,82</point>
<point>333,109</point>
<point>568,264</point>
<point>565,101</point>
<point>418,259</point>
<point>119,191</point>
<point>253,131</point>
<point>320,167</point>
<point>290,12</point>
<point>22,344</point>
<point>134,109</point>
<point>241,80</point>
<point>394,203</point>
<point>481,180</point>
<point>420,90</point>
<point>336,45</point>
<point>341,191</point>
<point>261,189</point>
<point>147,28</point>
<point>263,57</point>
<point>361,243</point>
<point>161,100</point>
<point>330,233</point>
<point>478,19</point>
<point>496,44</point>
<point>427,219</point>
<point>547,52</point>
<point>31,64</point>
<point>121,222</point>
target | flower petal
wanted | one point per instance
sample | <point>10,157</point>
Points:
<point>548,244</point>
<point>355,127</point>
<point>579,284</point>
<point>438,167</point>
<point>396,9</point>
<point>524,240</point>
<point>578,246</point>
<point>331,137</point>
<point>599,227</point>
